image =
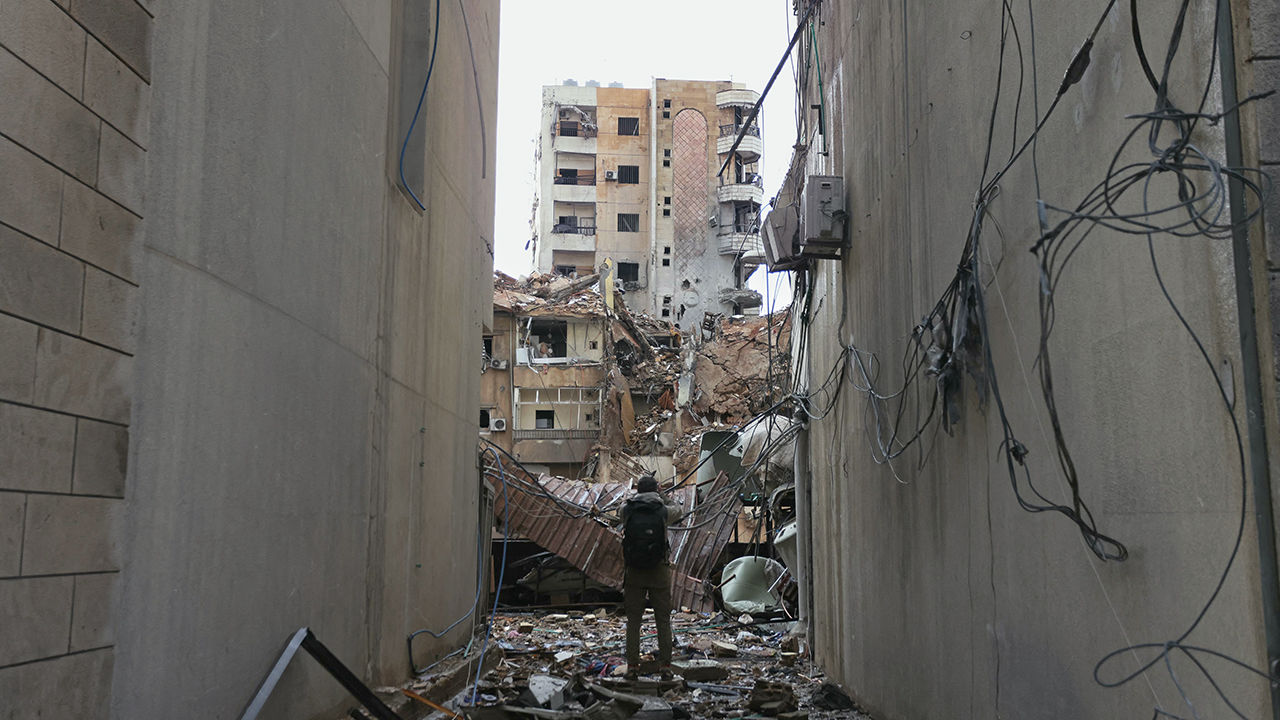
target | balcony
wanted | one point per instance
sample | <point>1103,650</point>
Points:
<point>555,434</point>
<point>742,192</point>
<point>739,97</point>
<point>749,149</point>
<point>583,177</point>
<point>587,227</point>
<point>732,130</point>
<point>746,244</point>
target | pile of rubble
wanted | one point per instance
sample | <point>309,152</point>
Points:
<point>569,666</point>
<point>742,368</point>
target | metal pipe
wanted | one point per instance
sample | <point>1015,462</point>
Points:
<point>1255,414</point>
<point>804,517</point>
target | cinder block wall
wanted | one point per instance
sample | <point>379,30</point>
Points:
<point>74,99</point>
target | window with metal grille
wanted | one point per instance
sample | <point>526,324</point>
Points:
<point>629,174</point>
<point>628,222</point>
<point>628,126</point>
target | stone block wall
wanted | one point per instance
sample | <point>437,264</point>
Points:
<point>72,160</point>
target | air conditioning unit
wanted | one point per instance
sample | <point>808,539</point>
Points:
<point>780,234</point>
<point>497,364</point>
<point>822,234</point>
<point>498,424</point>
<point>713,221</point>
<point>610,174</point>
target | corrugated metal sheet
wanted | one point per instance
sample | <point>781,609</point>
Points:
<point>587,540</point>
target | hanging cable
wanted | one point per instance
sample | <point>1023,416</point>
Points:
<point>435,43</point>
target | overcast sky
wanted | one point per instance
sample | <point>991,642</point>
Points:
<point>543,42</point>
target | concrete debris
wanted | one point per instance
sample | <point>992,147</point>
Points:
<point>771,697</point>
<point>743,368</point>
<point>829,696</point>
<point>589,686</point>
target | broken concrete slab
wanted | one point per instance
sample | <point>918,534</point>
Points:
<point>546,691</point>
<point>697,670</point>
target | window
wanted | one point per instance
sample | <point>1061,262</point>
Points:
<point>629,174</point>
<point>666,152</point>
<point>593,344</point>
<point>666,249</point>
<point>666,200</point>
<point>629,272</point>
<point>549,338</point>
<point>544,419</point>
<point>568,128</point>
<point>557,408</point>
<point>484,418</point>
<point>666,262</point>
<point>666,163</point>
<point>666,103</point>
<point>628,126</point>
<point>666,212</point>
<point>488,346</point>
<point>666,312</point>
<point>628,222</point>
<point>566,270</point>
<point>568,220</point>
<point>666,113</point>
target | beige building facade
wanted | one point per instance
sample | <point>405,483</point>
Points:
<point>633,175</point>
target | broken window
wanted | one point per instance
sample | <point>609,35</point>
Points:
<point>629,174</point>
<point>628,222</point>
<point>628,126</point>
<point>488,346</point>
<point>564,408</point>
<point>566,270</point>
<point>629,271</point>
<point>548,338</point>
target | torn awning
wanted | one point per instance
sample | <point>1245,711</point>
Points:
<point>572,519</point>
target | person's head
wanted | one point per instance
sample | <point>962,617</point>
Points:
<point>647,484</point>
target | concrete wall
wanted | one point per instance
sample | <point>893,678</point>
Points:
<point>935,594</point>
<point>294,400</point>
<point>73,145</point>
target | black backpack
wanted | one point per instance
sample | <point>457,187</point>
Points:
<point>644,535</point>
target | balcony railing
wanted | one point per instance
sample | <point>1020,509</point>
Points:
<point>582,178</point>
<point>578,229</point>
<point>735,128</point>
<point>555,434</point>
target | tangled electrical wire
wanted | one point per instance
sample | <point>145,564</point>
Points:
<point>952,341</point>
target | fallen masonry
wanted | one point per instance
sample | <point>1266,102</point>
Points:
<point>568,666</point>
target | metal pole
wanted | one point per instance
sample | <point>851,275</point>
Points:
<point>804,549</point>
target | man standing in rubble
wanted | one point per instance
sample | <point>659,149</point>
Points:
<point>647,577</point>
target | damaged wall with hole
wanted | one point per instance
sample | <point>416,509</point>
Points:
<point>926,566</point>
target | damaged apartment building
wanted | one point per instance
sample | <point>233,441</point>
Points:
<point>582,396</point>
<point>630,175</point>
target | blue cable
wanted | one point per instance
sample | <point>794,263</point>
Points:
<point>506,531</point>
<point>435,42</point>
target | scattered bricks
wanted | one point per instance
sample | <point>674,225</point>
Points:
<point>525,628</point>
<point>771,698</point>
<point>700,670</point>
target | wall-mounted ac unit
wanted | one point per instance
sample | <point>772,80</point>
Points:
<point>822,234</point>
<point>497,364</point>
<point>498,424</point>
<point>610,174</point>
<point>780,233</point>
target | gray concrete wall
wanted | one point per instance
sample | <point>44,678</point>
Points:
<point>935,594</point>
<point>279,364</point>
<point>73,137</point>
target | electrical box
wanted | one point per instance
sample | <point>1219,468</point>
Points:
<point>823,208</point>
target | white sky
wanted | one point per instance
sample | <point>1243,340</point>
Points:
<point>543,42</point>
